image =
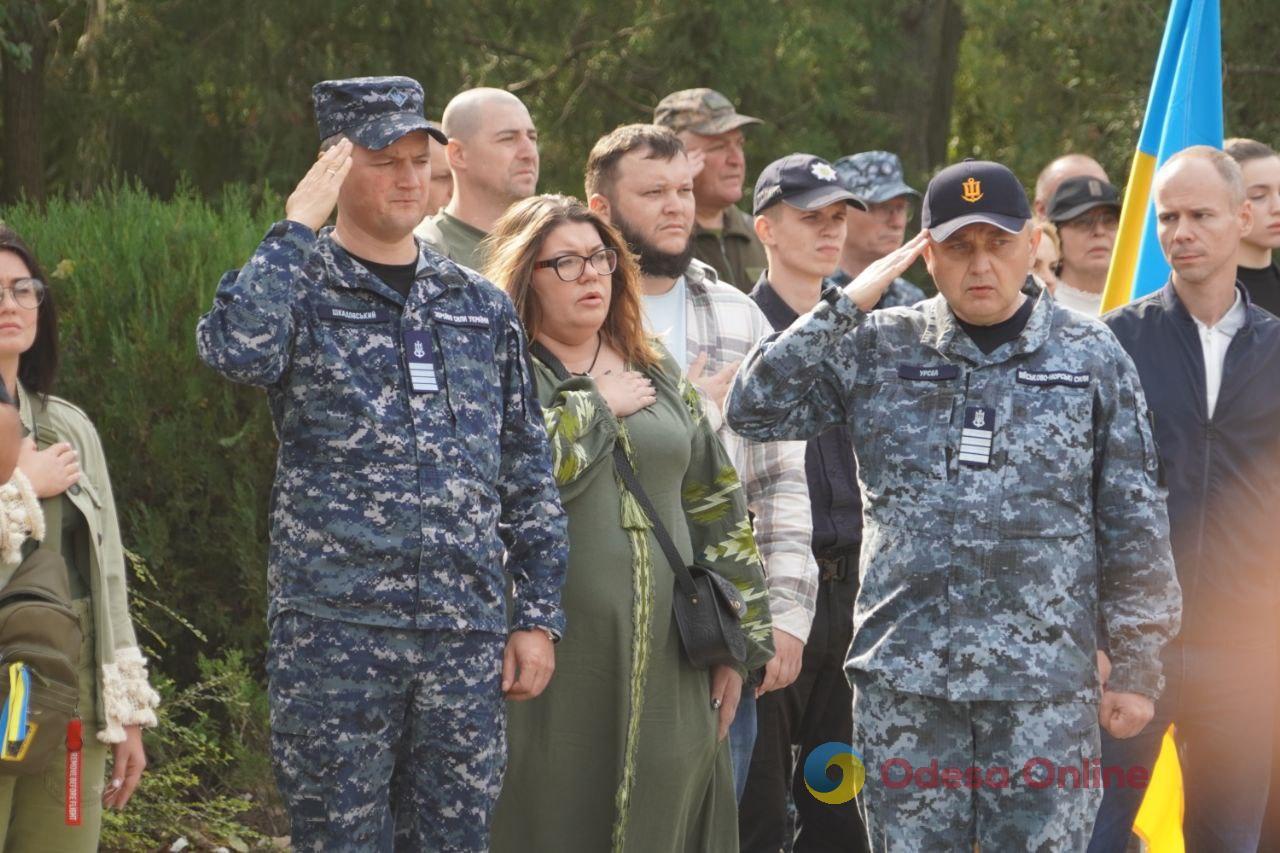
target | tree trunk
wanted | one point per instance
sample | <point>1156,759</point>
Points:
<point>21,143</point>
<point>919,89</point>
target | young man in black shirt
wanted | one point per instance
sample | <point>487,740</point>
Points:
<point>1259,271</point>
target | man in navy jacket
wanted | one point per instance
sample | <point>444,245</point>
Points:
<point>1210,365</point>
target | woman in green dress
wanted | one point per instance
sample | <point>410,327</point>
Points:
<point>625,749</point>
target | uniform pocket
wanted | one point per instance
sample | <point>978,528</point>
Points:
<point>473,392</point>
<point>909,421</point>
<point>1048,462</point>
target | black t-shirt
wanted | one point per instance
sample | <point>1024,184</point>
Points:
<point>1263,285</point>
<point>989,338</point>
<point>399,277</point>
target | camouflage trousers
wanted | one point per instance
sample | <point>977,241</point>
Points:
<point>941,776</point>
<point>351,705</point>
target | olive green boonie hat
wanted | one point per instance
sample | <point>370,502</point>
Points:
<point>704,111</point>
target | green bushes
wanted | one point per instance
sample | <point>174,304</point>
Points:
<point>191,460</point>
<point>191,455</point>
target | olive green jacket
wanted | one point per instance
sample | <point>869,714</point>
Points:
<point>734,250</point>
<point>125,696</point>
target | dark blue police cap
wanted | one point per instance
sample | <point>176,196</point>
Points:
<point>802,181</point>
<point>371,111</point>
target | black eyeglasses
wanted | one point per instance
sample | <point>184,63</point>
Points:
<point>570,267</point>
<point>26,292</point>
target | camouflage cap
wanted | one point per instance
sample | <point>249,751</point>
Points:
<point>873,175</point>
<point>704,111</point>
<point>371,111</point>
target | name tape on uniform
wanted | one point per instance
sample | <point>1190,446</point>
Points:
<point>472,321</point>
<point>351,315</point>
<point>977,435</point>
<point>1053,377</point>
<point>929,372</point>
<point>422,368</point>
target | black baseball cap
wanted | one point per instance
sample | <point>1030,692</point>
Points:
<point>802,181</point>
<point>974,191</point>
<point>1079,195</point>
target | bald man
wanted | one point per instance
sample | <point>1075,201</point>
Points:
<point>1209,361</point>
<point>441,188</point>
<point>1066,166</point>
<point>493,155</point>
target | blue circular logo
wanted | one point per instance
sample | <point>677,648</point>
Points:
<point>846,785</point>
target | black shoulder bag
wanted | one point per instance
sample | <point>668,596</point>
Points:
<point>708,608</point>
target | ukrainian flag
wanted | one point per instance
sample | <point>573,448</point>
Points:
<point>1183,109</point>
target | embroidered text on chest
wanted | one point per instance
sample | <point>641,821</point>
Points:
<point>475,321</point>
<point>1053,377</point>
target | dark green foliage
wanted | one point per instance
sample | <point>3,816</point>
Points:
<point>1039,79</point>
<point>191,455</point>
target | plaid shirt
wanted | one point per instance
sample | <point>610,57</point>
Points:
<point>724,324</point>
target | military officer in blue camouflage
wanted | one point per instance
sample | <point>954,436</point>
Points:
<point>412,451</point>
<point>876,178</point>
<point>1012,506</point>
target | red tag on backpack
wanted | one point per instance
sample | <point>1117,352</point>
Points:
<point>75,743</point>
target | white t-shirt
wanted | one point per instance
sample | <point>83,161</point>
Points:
<point>664,316</point>
<point>1214,341</point>
<point>1078,300</point>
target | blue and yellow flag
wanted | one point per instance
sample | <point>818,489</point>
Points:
<point>1183,109</point>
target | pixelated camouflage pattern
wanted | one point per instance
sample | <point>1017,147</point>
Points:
<point>392,507</point>
<point>352,703</point>
<point>899,293</point>
<point>891,728</point>
<point>703,111</point>
<point>875,176</point>
<point>372,111</point>
<point>984,583</point>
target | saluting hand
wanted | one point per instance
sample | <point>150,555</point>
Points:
<point>317,193</point>
<point>867,288</point>
<point>626,392</point>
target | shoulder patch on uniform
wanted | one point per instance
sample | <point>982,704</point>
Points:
<point>474,321</point>
<point>1053,377</point>
<point>351,315</point>
<point>929,372</point>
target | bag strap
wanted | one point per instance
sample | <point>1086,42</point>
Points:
<point>629,479</point>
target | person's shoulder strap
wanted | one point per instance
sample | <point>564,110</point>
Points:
<point>628,475</point>
<point>629,479</point>
<point>544,355</point>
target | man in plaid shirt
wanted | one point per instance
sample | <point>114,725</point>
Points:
<point>640,179</point>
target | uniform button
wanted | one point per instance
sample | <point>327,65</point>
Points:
<point>75,489</point>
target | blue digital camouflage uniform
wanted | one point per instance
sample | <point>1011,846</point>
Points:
<point>982,582</point>
<point>874,177</point>
<point>412,450</point>
<point>899,294</point>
